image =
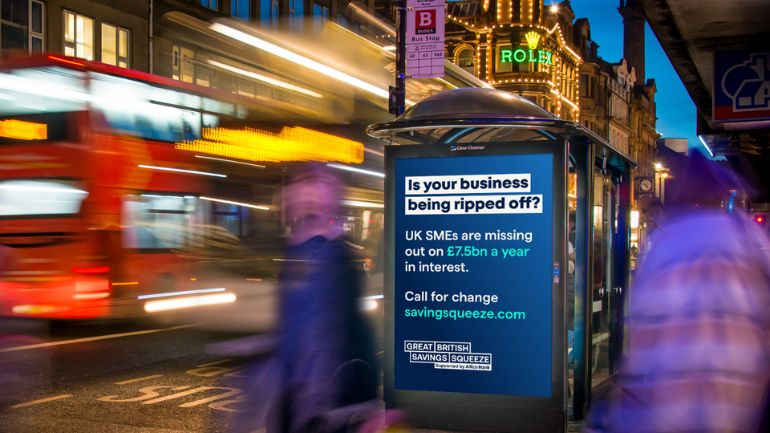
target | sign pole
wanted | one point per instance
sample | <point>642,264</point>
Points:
<point>420,46</point>
<point>397,100</point>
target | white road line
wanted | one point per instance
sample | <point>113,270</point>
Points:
<point>87,339</point>
<point>138,379</point>
<point>42,400</point>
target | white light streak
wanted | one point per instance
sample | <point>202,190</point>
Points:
<point>30,187</point>
<point>230,161</point>
<point>189,302</point>
<point>355,169</point>
<point>293,57</point>
<point>708,149</point>
<point>359,203</point>
<point>236,203</point>
<point>374,297</point>
<point>183,292</point>
<point>179,170</point>
<point>265,79</point>
<point>373,152</point>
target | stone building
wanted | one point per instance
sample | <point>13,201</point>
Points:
<point>519,46</point>
<point>643,134</point>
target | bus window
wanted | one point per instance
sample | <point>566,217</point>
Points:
<point>139,110</point>
<point>231,218</point>
<point>39,197</point>
<point>42,90</point>
<point>157,222</point>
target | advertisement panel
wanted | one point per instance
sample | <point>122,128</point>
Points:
<point>474,274</point>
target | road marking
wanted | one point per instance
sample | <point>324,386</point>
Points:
<point>224,405</point>
<point>177,395</point>
<point>220,361</point>
<point>42,400</point>
<point>228,393</point>
<point>87,339</point>
<point>138,379</point>
<point>220,401</point>
<point>210,369</point>
<point>148,392</point>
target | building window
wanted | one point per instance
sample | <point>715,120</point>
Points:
<point>464,59</point>
<point>503,60</point>
<point>158,222</point>
<point>36,26</point>
<point>22,25</point>
<point>115,47</point>
<point>275,10</point>
<point>516,7</point>
<point>14,22</point>
<point>320,13</point>
<point>211,4</point>
<point>268,12</point>
<point>182,66</point>
<point>240,9</point>
<point>78,36</point>
<point>296,14</point>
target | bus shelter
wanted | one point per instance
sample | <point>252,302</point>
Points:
<point>507,262</point>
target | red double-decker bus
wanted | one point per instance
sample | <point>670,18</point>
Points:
<point>123,192</point>
<point>104,211</point>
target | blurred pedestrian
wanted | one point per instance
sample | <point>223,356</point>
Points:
<point>324,359</point>
<point>698,322</point>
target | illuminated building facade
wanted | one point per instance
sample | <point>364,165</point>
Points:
<point>543,53</point>
<point>546,55</point>
<point>520,46</point>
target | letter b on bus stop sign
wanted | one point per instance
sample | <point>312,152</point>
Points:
<point>425,21</point>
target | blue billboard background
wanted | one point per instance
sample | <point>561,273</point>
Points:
<point>520,349</point>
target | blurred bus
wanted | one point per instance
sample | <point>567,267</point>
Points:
<point>94,198</point>
<point>121,189</point>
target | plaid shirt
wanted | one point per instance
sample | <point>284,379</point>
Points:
<point>698,355</point>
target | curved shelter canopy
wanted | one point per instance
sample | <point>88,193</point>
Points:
<point>480,115</point>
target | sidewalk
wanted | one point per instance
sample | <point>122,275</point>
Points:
<point>572,427</point>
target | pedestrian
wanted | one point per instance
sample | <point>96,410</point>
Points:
<point>324,360</point>
<point>698,321</point>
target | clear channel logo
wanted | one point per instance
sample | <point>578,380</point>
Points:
<point>458,147</point>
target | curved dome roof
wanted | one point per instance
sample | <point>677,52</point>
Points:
<point>480,110</point>
<point>475,103</point>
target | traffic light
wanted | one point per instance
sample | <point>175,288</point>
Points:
<point>760,219</point>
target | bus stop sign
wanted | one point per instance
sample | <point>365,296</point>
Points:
<point>425,38</point>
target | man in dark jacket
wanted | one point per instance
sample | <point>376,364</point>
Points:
<point>325,351</point>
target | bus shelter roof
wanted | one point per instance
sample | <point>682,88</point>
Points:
<point>482,115</point>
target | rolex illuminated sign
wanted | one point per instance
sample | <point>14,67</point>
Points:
<point>530,55</point>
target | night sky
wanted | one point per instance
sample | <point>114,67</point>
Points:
<point>676,112</point>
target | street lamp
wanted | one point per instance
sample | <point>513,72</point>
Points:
<point>661,174</point>
<point>554,9</point>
